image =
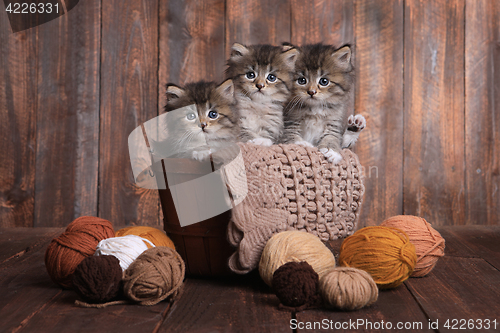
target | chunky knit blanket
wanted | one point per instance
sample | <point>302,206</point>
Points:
<point>291,187</point>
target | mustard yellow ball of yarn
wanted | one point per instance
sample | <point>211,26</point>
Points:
<point>348,288</point>
<point>294,246</point>
<point>155,236</point>
<point>386,253</point>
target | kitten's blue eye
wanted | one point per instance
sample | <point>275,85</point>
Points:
<point>324,81</point>
<point>302,80</point>
<point>213,114</point>
<point>250,75</point>
<point>271,77</point>
<point>190,116</point>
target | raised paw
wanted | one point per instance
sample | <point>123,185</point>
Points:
<point>356,123</point>
<point>304,143</point>
<point>331,155</point>
<point>262,142</point>
<point>201,155</point>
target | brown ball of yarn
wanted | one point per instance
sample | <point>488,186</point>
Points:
<point>348,288</point>
<point>79,241</point>
<point>294,246</point>
<point>155,275</point>
<point>429,245</point>
<point>296,285</point>
<point>97,279</point>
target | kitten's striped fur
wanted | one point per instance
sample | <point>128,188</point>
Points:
<point>261,75</point>
<point>316,113</point>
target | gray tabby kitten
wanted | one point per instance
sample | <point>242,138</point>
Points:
<point>316,114</point>
<point>262,76</point>
<point>213,125</point>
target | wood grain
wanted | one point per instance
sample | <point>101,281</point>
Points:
<point>257,22</point>
<point>379,98</point>
<point>434,161</point>
<point>62,315</point>
<point>482,112</point>
<point>16,242</point>
<point>238,304</point>
<point>394,305</point>
<point>191,42</point>
<point>329,22</point>
<point>453,295</point>
<point>481,244</point>
<point>129,90</point>
<point>26,286</point>
<point>67,116</point>
<point>18,106</point>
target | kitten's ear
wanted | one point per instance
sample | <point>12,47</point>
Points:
<point>342,57</point>
<point>226,90</point>
<point>286,46</point>
<point>174,92</point>
<point>238,50</point>
<point>290,56</point>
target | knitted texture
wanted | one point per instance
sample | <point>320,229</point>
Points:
<point>291,187</point>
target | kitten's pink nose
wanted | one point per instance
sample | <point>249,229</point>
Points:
<point>259,86</point>
<point>311,92</point>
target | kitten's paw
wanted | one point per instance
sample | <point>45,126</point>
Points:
<point>201,155</point>
<point>304,143</point>
<point>262,142</point>
<point>356,123</point>
<point>331,155</point>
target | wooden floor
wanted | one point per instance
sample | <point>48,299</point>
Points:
<point>465,286</point>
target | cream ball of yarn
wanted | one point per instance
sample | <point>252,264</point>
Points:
<point>125,248</point>
<point>294,246</point>
<point>348,288</point>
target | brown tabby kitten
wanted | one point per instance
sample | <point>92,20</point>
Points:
<point>211,126</point>
<point>316,114</point>
<point>261,75</point>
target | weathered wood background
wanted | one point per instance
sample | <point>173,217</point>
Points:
<point>71,91</point>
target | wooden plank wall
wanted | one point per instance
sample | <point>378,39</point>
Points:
<point>74,88</point>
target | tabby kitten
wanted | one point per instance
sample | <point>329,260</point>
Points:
<point>316,113</point>
<point>262,76</point>
<point>209,126</point>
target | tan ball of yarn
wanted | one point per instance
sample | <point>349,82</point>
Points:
<point>294,246</point>
<point>348,288</point>
<point>155,275</point>
<point>429,245</point>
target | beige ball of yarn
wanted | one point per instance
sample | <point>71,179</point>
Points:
<point>294,246</point>
<point>348,288</point>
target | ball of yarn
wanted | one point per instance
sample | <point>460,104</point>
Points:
<point>296,285</point>
<point>125,248</point>
<point>429,245</point>
<point>154,275</point>
<point>97,279</point>
<point>348,288</point>
<point>386,253</point>
<point>155,236</point>
<point>77,242</point>
<point>294,246</point>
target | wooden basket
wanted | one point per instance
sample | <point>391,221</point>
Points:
<point>203,245</point>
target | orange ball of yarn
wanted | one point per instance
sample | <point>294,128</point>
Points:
<point>429,245</point>
<point>155,236</point>
<point>79,241</point>
<point>386,253</point>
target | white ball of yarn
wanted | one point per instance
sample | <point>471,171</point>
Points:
<point>125,248</point>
